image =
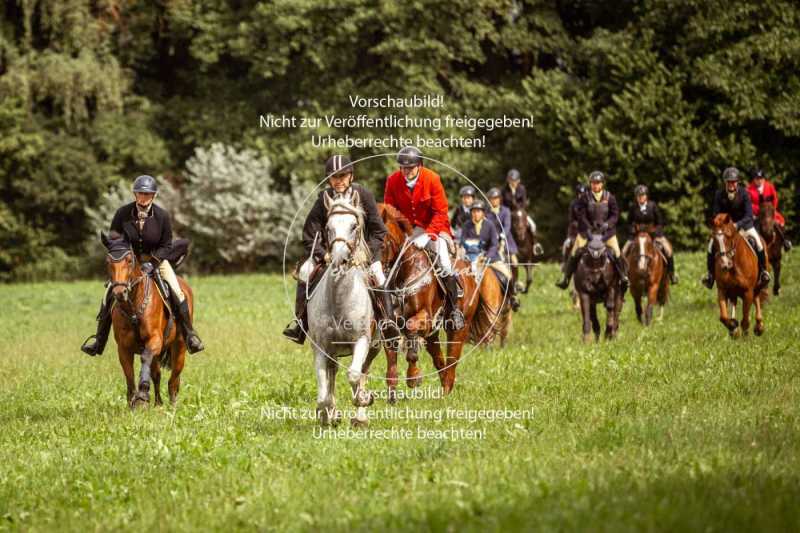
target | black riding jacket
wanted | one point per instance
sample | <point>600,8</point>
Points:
<point>740,208</point>
<point>592,214</point>
<point>374,229</point>
<point>650,215</point>
<point>155,237</point>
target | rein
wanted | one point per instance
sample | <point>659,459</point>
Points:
<point>135,315</point>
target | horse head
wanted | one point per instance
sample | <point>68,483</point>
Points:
<point>644,246</point>
<point>120,264</point>
<point>596,250</point>
<point>344,226</point>
<point>398,228</point>
<point>519,224</point>
<point>724,234</point>
<point>766,220</point>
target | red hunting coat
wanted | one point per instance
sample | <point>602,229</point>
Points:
<point>769,194</point>
<point>425,205</point>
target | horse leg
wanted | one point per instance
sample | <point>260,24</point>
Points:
<point>455,344</point>
<point>151,350</point>
<point>637,303</point>
<point>333,368</point>
<point>730,323</point>
<point>361,396</point>
<point>412,357</point>
<point>155,371</point>
<point>324,410</point>
<point>611,318</point>
<point>391,370</point>
<point>776,268</point>
<point>528,278</point>
<point>586,313</point>
<point>435,349</point>
<point>759,329</point>
<point>177,361</point>
<point>126,361</point>
<point>652,298</point>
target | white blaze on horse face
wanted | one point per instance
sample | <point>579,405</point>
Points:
<point>642,257</point>
<point>341,232</point>
<point>723,252</point>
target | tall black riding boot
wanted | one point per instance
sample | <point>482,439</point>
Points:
<point>569,270</point>
<point>455,315</point>
<point>622,269</point>
<point>763,274</point>
<point>296,330</point>
<point>708,279</point>
<point>787,244</point>
<point>388,322</point>
<point>193,342</point>
<point>100,338</point>
<point>673,277</point>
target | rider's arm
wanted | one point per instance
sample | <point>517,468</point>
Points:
<point>165,243</point>
<point>613,212</point>
<point>491,250</point>
<point>439,221</point>
<point>583,217</point>
<point>660,222</point>
<point>375,228</point>
<point>747,220</point>
<point>313,227</point>
<point>116,223</point>
<point>523,194</point>
<point>716,207</point>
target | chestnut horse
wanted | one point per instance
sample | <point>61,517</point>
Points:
<point>142,324</point>
<point>773,241</point>
<point>736,274</point>
<point>493,318</point>
<point>647,269</point>
<point>527,247</point>
<point>421,305</point>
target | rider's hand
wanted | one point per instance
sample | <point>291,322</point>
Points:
<point>604,227</point>
<point>421,240</point>
<point>147,267</point>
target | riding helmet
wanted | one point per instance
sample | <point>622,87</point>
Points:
<point>467,190</point>
<point>597,176</point>
<point>758,173</point>
<point>494,192</point>
<point>640,190</point>
<point>146,184</point>
<point>477,204</point>
<point>338,164</point>
<point>580,188</point>
<point>513,174</point>
<point>731,174</point>
<point>409,156</point>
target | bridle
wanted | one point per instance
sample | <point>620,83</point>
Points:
<point>129,285</point>
<point>351,244</point>
<point>725,254</point>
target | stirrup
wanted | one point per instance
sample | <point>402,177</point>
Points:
<point>563,283</point>
<point>708,281</point>
<point>194,347</point>
<point>91,352</point>
<point>295,334</point>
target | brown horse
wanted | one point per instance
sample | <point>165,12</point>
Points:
<point>143,325</point>
<point>527,247</point>
<point>421,306</point>
<point>493,318</point>
<point>736,274</point>
<point>596,281</point>
<point>773,240</point>
<point>647,269</point>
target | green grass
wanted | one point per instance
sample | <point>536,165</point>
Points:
<point>675,427</point>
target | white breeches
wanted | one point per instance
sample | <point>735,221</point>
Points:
<point>168,275</point>
<point>443,254</point>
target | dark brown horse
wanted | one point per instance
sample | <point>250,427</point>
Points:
<point>647,269</point>
<point>596,281</point>
<point>527,247</point>
<point>143,325</point>
<point>774,242</point>
<point>736,274</point>
<point>421,306</point>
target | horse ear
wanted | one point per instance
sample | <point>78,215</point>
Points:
<point>326,199</point>
<point>355,199</point>
<point>104,239</point>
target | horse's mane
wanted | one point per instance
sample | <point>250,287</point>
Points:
<point>390,214</point>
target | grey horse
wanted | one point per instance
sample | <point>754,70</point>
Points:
<point>340,315</point>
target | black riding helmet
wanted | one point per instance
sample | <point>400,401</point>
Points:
<point>513,174</point>
<point>580,188</point>
<point>758,173</point>
<point>409,156</point>
<point>597,176</point>
<point>467,190</point>
<point>145,184</point>
<point>338,164</point>
<point>477,204</point>
<point>640,190</point>
<point>731,174</point>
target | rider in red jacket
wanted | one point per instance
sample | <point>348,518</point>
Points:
<point>762,191</point>
<point>417,192</point>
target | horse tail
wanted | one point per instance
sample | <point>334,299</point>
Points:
<point>485,324</point>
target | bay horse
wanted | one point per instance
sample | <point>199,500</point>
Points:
<point>422,306</point>
<point>773,240</point>
<point>493,318</point>
<point>340,315</point>
<point>596,281</point>
<point>736,274</point>
<point>527,247</point>
<point>648,277</point>
<point>142,324</point>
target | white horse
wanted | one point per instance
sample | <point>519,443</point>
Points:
<point>340,311</point>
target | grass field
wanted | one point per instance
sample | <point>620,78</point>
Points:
<point>670,428</point>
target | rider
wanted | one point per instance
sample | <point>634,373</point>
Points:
<point>478,237</point>
<point>147,227</point>
<point>597,209</point>
<point>417,192</point>
<point>647,212</point>
<point>761,191</point>
<point>339,170</point>
<point>734,200</point>
<point>461,214</point>
<point>515,197</point>
<point>501,216</point>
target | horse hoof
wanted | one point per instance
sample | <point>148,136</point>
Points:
<point>735,333</point>
<point>759,330</point>
<point>413,379</point>
<point>359,422</point>
<point>588,339</point>
<point>392,399</point>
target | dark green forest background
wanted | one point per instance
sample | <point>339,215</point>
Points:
<point>93,93</point>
